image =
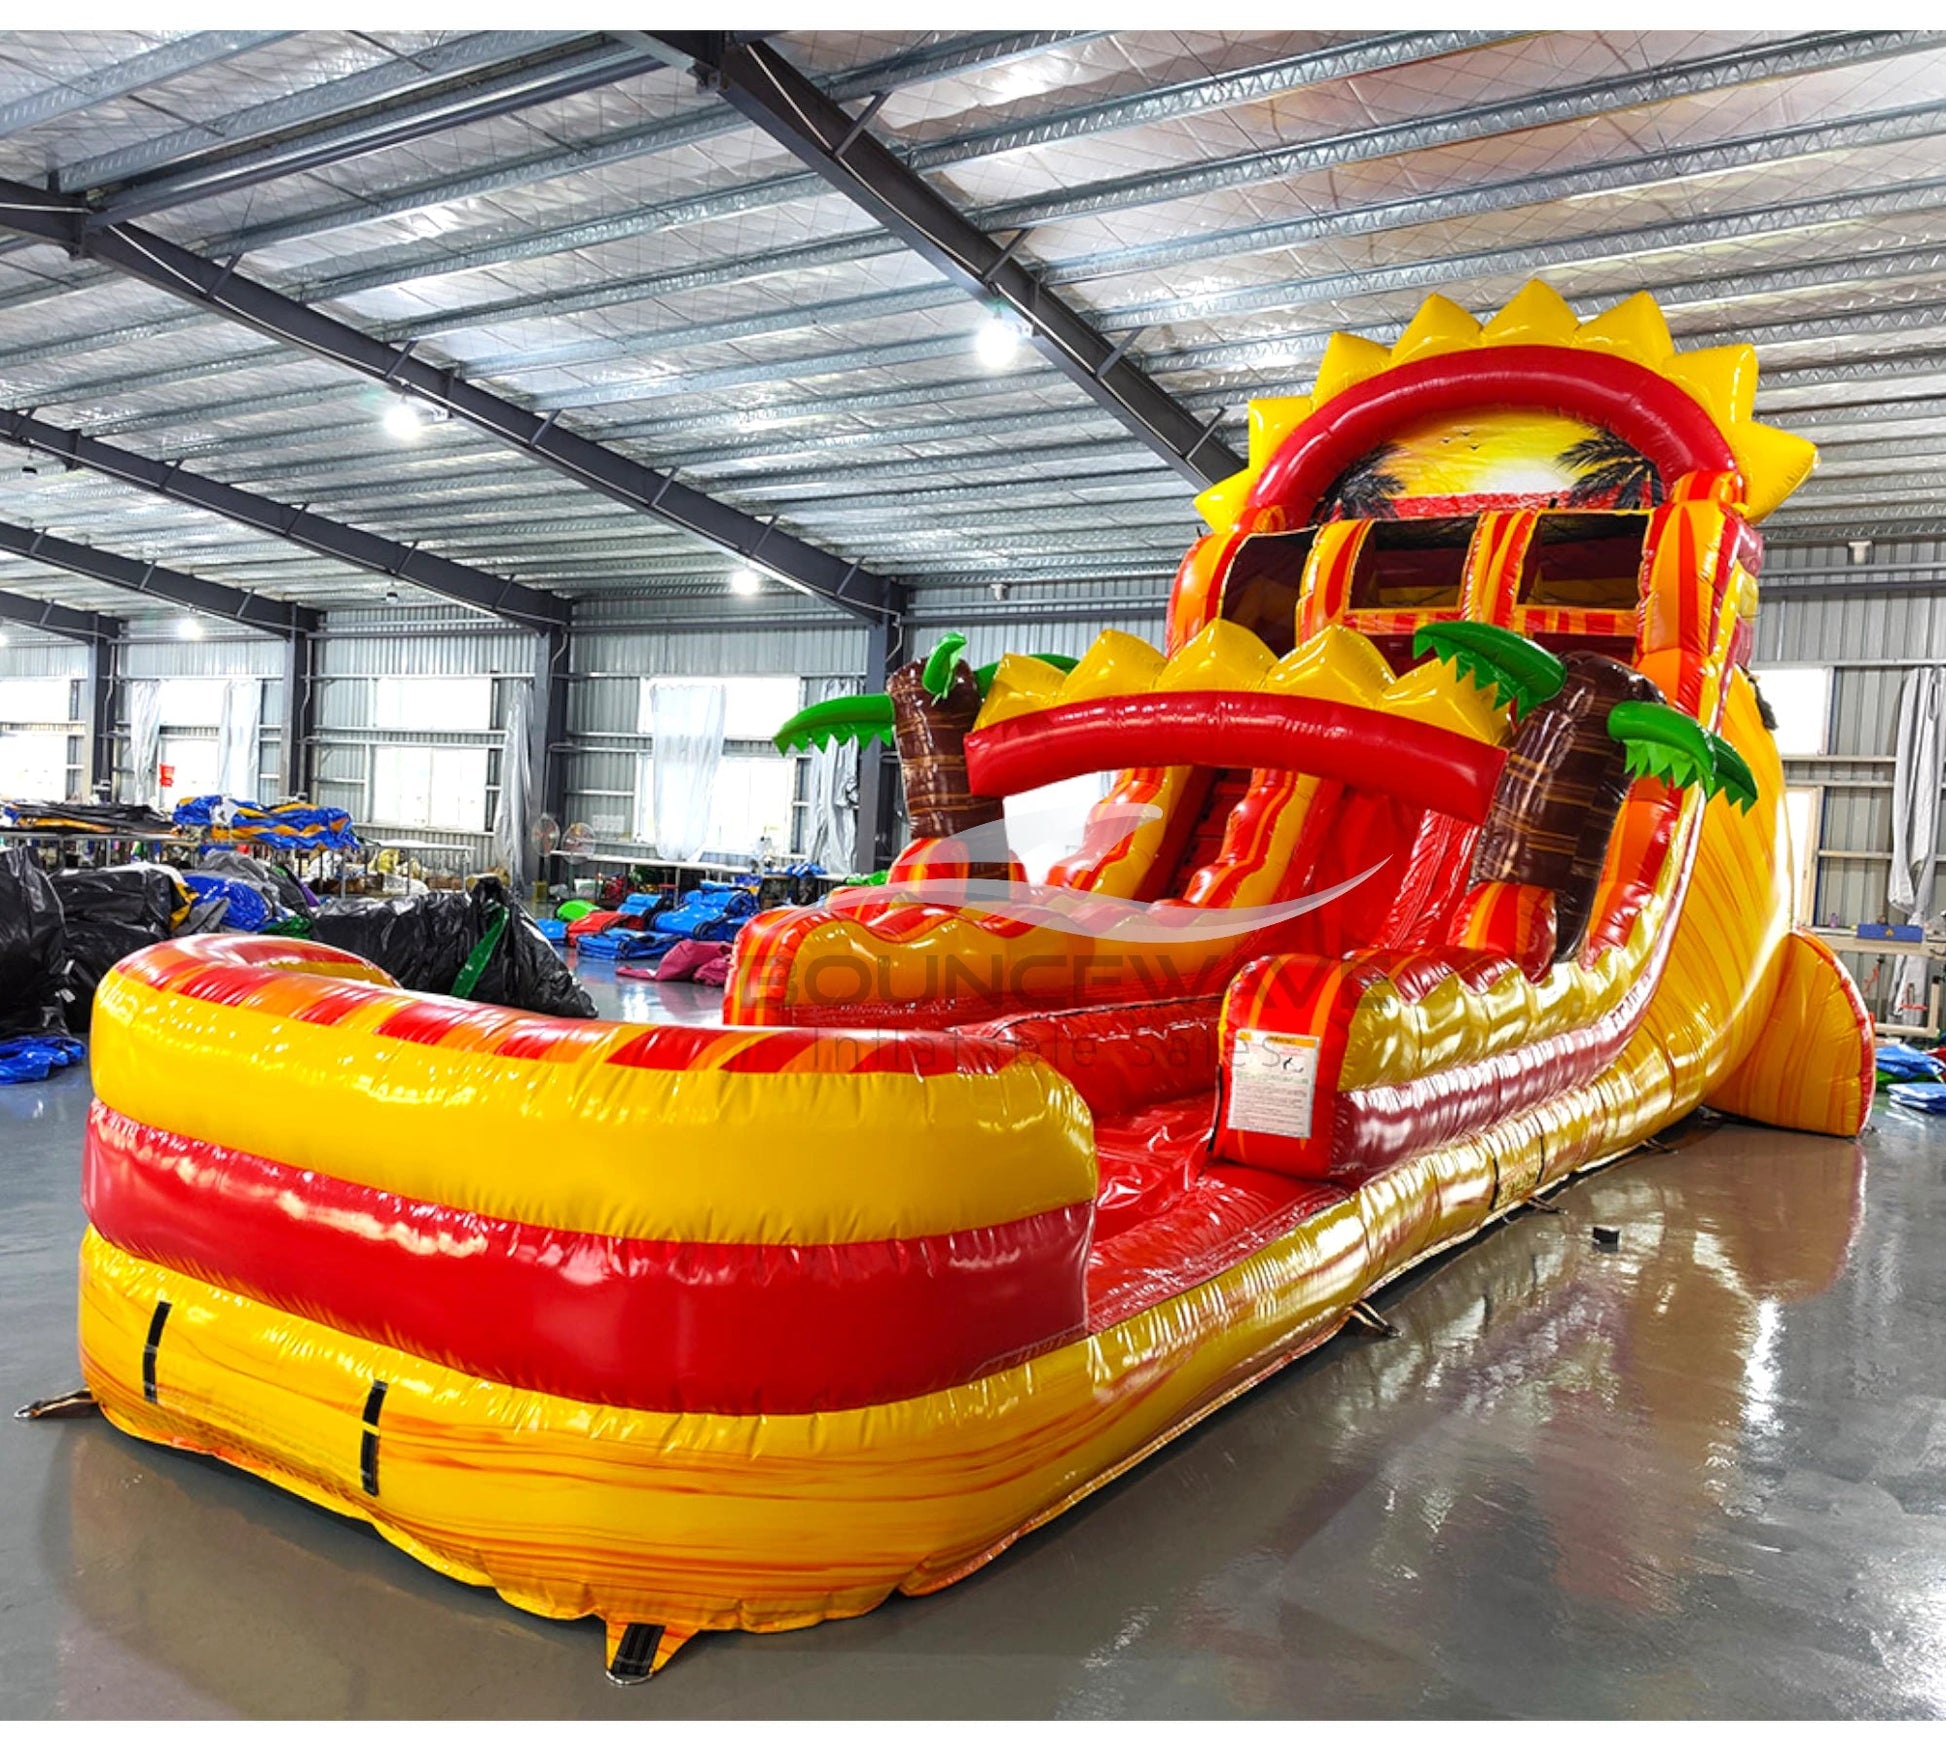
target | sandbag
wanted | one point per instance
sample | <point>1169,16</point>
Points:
<point>426,940</point>
<point>33,947</point>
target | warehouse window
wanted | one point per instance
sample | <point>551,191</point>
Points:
<point>191,701</point>
<point>40,701</point>
<point>433,702</point>
<point>1799,694</point>
<point>753,799</point>
<point>754,706</point>
<point>34,765</point>
<point>421,786</point>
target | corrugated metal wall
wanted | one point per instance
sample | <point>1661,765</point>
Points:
<point>357,649</point>
<point>32,656</point>
<point>154,650</point>
<point>617,644</point>
<point>1872,623</point>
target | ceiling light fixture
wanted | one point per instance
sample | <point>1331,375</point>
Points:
<point>996,342</point>
<point>403,421</point>
<point>745,582</point>
<point>189,627</point>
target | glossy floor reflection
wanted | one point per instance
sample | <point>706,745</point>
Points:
<point>1703,1475</point>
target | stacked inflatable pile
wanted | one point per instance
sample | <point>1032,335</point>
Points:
<point>292,826</point>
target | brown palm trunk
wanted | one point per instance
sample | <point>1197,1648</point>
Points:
<point>1560,794</point>
<point>931,735</point>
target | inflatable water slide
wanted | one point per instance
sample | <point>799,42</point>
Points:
<point>1443,857</point>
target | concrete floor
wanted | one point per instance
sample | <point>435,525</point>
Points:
<point>1705,1475</point>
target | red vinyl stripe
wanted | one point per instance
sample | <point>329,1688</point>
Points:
<point>652,1325</point>
<point>1367,750</point>
<point>1643,409</point>
<point>207,970</point>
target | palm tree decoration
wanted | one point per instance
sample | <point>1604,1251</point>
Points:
<point>1587,728</point>
<point>1611,474</point>
<point>866,718</point>
<point>1365,489</point>
<point>926,710</point>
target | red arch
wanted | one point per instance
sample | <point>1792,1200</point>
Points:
<point>1668,426</point>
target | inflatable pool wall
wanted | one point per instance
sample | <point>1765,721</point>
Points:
<point>1446,858</point>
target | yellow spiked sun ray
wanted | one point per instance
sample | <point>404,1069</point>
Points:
<point>1721,380</point>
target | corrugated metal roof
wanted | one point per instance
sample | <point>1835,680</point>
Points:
<point>639,260</point>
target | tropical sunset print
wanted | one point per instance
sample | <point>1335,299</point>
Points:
<point>1495,460</point>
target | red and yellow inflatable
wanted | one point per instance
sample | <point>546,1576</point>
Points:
<point>1447,859</point>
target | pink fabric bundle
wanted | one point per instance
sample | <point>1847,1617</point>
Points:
<point>703,963</point>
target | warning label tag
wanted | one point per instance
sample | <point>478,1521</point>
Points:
<point>1273,1082</point>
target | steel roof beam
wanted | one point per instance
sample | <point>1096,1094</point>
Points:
<point>533,77</point>
<point>987,49</point>
<point>763,87</point>
<point>1622,245</point>
<point>153,260</point>
<point>146,578</point>
<point>1709,73</point>
<point>973,52</point>
<point>303,528</point>
<point>73,623</point>
<point>392,77</point>
<point>121,78</point>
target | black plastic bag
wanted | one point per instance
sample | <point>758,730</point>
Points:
<point>422,941</point>
<point>524,971</point>
<point>425,942</point>
<point>33,947</point>
<point>110,914</point>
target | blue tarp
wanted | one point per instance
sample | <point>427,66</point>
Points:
<point>247,908</point>
<point>298,825</point>
<point>1901,1063</point>
<point>35,1057</point>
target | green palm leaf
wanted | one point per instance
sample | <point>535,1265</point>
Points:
<point>1662,742</point>
<point>937,676</point>
<point>868,717</point>
<point>858,717</point>
<point>1518,670</point>
<point>1734,776</point>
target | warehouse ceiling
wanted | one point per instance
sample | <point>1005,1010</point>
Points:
<point>656,304</point>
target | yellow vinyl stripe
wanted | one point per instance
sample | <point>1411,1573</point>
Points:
<point>696,1154</point>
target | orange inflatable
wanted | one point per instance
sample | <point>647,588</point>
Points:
<point>1446,858</point>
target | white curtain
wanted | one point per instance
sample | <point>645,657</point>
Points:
<point>145,741</point>
<point>236,738</point>
<point>1917,770</point>
<point>833,827</point>
<point>513,815</point>
<point>686,722</point>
